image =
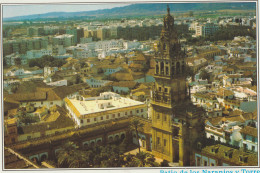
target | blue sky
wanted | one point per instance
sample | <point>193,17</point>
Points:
<point>21,10</point>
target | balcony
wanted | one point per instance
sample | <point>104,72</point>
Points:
<point>162,99</point>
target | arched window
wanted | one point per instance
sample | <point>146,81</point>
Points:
<point>157,69</point>
<point>86,145</point>
<point>43,157</point>
<point>116,137</point>
<point>173,70</point>
<point>167,71</point>
<point>178,68</point>
<point>183,68</point>
<point>99,142</point>
<point>122,136</point>
<point>162,68</point>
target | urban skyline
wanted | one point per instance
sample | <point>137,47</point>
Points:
<point>144,85</point>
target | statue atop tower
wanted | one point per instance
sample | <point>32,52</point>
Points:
<point>169,45</point>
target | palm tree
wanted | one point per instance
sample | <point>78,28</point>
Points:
<point>141,158</point>
<point>65,153</point>
<point>164,163</point>
<point>78,160</point>
<point>137,126</point>
<point>144,159</point>
<point>70,156</point>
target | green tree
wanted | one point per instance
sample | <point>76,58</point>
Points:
<point>78,79</point>
<point>27,119</point>
<point>204,75</point>
<point>141,158</point>
<point>64,154</point>
<point>83,64</point>
<point>17,61</point>
<point>189,72</point>
<point>33,63</point>
<point>151,161</point>
<point>136,125</point>
<point>46,60</point>
<point>164,163</point>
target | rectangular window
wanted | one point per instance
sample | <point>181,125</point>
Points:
<point>253,148</point>
<point>205,163</point>
<point>101,118</point>
<point>113,115</point>
<point>245,146</point>
<point>51,103</point>
<point>88,120</point>
<point>160,89</point>
<point>118,114</point>
<point>166,90</point>
<point>137,111</point>
<point>125,113</point>
<point>165,142</point>
<point>95,119</point>
<point>253,139</point>
<point>165,117</point>
<point>158,116</point>
<point>41,102</point>
<point>240,158</point>
<point>107,117</point>
<point>198,161</point>
<point>81,121</point>
<point>244,136</point>
<point>158,140</point>
<point>131,112</point>
<point>142,110</point>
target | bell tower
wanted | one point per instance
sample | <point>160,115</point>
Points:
<point>170,65</point>
<point>169,96</point>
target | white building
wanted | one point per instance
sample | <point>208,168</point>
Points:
<point>108,45</point>
<point>108,106</point>
<point>66,40</point>
<point>49,70</point>
<point>37,53</point>
<point>58,83</point>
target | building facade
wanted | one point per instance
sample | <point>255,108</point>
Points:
<point>176,123</point>
<point>108,106</point>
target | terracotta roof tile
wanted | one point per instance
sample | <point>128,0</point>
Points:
<point>249,131</point>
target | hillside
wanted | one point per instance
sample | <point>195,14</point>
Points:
<point>139,10</point>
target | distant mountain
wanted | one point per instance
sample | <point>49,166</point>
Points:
<point>140,9</point>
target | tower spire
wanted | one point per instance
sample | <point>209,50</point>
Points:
<point>168,9</point>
